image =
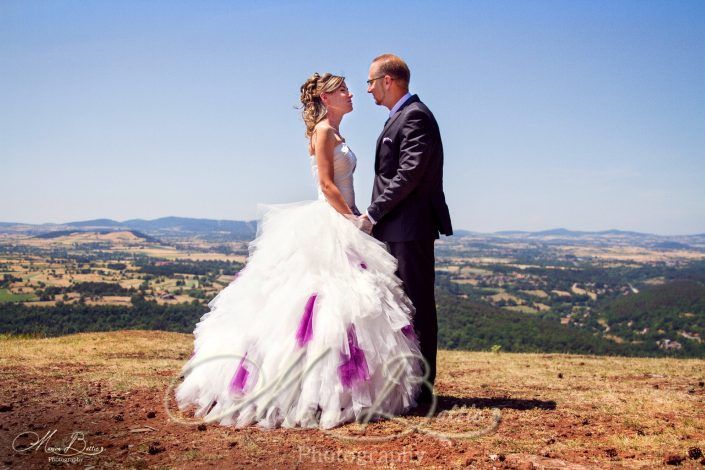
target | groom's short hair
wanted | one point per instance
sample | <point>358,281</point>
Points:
<point>395,67</point>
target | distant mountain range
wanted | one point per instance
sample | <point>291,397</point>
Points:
<point>563,232</point>
<point>162,228</point>
<point>222,230</point>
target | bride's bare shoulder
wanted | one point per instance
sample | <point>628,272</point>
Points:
<point>323,135</point>
<point>324,130</point>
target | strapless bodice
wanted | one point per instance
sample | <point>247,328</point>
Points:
<point>344,163</point>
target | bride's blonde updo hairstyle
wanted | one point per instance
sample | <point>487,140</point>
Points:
<point>313,108</point>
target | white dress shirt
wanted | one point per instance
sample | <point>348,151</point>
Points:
<point>401,101</point>
<point>394,109</point>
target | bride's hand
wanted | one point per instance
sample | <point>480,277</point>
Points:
<point>355,221</point>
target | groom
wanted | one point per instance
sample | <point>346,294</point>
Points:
<point>408,207</point>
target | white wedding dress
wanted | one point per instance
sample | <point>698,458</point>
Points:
<point>313,332</point>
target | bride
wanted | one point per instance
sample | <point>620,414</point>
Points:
<point>315,330</point>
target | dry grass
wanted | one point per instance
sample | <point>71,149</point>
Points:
<point>536,293</point>
<point>632,254</point>
<point>504,295</point>
<point>556,410</point>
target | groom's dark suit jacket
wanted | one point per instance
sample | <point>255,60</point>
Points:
<point>407,199</point>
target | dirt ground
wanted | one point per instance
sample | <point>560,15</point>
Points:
<point>110,391</point>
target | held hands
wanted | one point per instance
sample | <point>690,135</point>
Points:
<point>361,222</point>
<point>365,224</point>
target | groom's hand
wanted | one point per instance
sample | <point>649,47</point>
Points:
<point>365,224</point>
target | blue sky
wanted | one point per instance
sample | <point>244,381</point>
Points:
<point>587,115</point>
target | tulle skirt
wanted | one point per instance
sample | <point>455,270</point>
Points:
<point>315,331</point>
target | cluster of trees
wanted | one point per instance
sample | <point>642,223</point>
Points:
<point>8,279</point>
<point>87,289</point>
<point>63,319</point>
<point>197,268</point>
<point>473,325</point>
<point>612,283</point>
<point>657,313</point>
<point>117,266</point>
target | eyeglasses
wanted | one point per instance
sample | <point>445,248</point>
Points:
<point>369,82</point>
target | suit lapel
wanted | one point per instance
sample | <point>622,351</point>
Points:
<point>387,125</point>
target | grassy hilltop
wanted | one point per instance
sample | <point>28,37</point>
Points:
<point>554,411</point>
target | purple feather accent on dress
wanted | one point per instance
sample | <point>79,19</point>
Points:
<point>237,384</point>
<point>356,260</point>
<point>408,330</point>
<point>305,331</point>
<point>354,366</point>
